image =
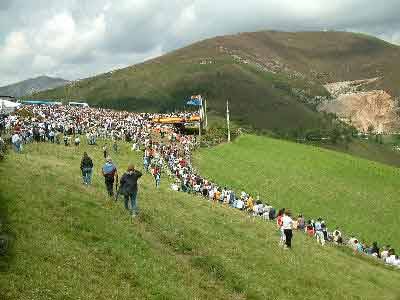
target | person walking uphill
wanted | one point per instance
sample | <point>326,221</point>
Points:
<point>129,188</point>
<point>86,168</point>
<point>109,171</point>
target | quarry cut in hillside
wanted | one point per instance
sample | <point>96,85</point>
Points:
<point>363,109</point>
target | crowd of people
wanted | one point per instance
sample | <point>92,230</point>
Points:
<point>177,158</point>
<point>166,151</point>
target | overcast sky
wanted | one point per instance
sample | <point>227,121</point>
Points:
<point>79,38</point>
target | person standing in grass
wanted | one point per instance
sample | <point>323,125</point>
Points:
<point>16,142</point>
<point>77,141</point>
<point>319,233</point>
<point>287,226</point>
<point>86,168</point>
<point>109,172</point>
<point>115,147</point>
<point>156,172</point>
<point>129,188</point>
<point>66,141</point>
<point>279,225</point>
<point>105,151</point>
<point>337,236</point>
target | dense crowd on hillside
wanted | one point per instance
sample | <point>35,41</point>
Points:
<point>178,165</point>
<point>166,151</point>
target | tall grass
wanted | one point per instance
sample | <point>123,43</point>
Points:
<point>70,243</point>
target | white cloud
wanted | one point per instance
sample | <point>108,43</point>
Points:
<point>42,63</point>
<point>16,46</point>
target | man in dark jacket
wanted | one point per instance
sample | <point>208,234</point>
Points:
<point>128,186</point>
<point>109,172</point>
<point>86,168</point>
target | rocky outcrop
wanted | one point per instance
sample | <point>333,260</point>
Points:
<point>365,110</point>
<point>337,89</point>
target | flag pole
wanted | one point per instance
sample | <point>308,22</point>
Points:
<point>228,121</point>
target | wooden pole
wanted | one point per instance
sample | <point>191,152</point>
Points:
<point>205,114</point>
<point>201,107</point>
<point>228,121</point>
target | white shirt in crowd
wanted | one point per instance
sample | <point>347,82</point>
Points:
<point>391,260</point>
<point>287,222</point>
<point>15,138</point>
<point>240,204</point>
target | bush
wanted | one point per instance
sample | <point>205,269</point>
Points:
<point>24,113</point>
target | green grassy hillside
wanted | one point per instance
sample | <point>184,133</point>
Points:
<point>257,99</point>
<point>358,195</point>
<point>69,244</point>
<point>264,92</point>
<point>371,150</point>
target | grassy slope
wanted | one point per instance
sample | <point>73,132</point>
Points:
<point>358,195</point>
<point>369,150</point>
<point>69,245</point>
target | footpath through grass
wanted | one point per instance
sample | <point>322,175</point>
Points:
<point>69,244</point>
<point>360,196</point>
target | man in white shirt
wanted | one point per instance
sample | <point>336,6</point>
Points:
<point>287,224</point>
<point>16,141</point>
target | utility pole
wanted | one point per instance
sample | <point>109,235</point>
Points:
<point>201,119</point>
<point>228,121</point>
<point>205,114</point>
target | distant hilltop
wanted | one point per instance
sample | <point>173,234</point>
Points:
<point>275,81</point>
<point>31,86</point>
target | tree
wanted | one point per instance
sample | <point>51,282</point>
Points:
<point>370,129</point>
<point>334,134</point>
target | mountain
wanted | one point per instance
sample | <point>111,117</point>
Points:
<point>31,86</point>
<point>274,80</point>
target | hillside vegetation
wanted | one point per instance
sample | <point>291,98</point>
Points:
<point>358,195</point>
<point>274,80</point>
<point>70,244</point>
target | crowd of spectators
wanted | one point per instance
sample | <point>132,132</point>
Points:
<point>175,157</point>
<point>168,151</point>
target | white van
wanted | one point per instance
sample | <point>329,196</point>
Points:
<point>82,104</point>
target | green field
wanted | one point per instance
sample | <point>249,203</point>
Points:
<point>382,153</point>
<point>69,244</point>
<point>358,195</point>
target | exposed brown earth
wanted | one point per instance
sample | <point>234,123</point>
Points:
<point>365,109</point>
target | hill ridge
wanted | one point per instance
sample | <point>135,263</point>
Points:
<point>278,89</point>
<point>32,85</point>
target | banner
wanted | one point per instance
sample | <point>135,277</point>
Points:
<point>195,101</point>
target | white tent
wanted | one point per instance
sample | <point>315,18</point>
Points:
<point>7,107</point>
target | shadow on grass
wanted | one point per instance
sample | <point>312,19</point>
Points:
<point>7,237</point>
<point>214,267</point>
